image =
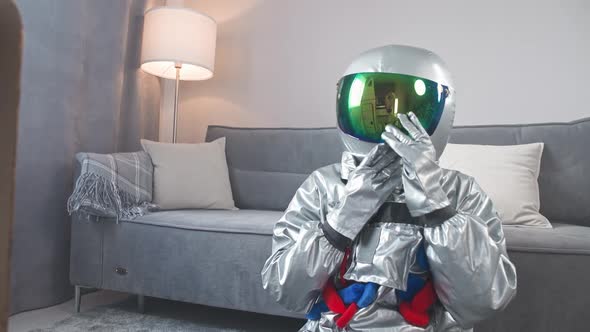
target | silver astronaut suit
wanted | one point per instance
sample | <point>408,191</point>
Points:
<point>387,199</point>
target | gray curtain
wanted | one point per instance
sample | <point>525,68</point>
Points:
<point>82,90</point>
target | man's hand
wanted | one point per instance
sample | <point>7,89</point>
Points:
<point>367,188</point>
<point>421,176</point>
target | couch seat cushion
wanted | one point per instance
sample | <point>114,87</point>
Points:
<point>229,221</point>
<point>561,239</point>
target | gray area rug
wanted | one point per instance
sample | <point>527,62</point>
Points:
<point>163,315</point>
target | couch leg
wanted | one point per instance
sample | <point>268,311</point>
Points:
<point>141,303</point>
<point>77,298</point>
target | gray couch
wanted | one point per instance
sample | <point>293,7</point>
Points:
<point>215,257</point>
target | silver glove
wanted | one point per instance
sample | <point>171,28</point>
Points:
<point>368,186</point>
<point>421,176</point>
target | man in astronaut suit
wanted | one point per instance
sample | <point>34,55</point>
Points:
<point>387,240</point>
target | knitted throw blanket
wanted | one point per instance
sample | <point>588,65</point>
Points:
<point>117,185</point>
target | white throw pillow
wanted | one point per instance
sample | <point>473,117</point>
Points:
<point>190,176</point>
<point>508,174</point>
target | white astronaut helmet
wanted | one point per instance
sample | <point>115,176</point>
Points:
<point>390,80</point>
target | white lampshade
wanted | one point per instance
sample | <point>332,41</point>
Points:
<point>176,35</point>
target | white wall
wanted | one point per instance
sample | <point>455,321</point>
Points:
<point>278,61</point>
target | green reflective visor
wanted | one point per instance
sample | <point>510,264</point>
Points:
<point>367,102</point>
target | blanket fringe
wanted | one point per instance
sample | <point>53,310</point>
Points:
<point>94,194</point>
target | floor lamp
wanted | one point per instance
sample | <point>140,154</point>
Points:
<point>178,43</point>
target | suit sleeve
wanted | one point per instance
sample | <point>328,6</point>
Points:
<point>472,272</point>
<point>302,258</point>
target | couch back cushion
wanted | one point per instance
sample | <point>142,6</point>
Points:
<point>267,165</point>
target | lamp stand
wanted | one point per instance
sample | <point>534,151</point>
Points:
<point>175,122</point>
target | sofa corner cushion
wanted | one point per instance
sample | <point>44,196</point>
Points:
<point>561,239</point>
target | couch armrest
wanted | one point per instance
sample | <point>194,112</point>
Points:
<point>86,246</point>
